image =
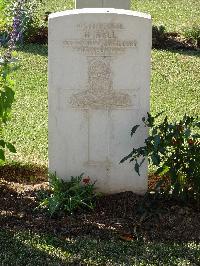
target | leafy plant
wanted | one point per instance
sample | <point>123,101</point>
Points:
<point>68,196</point>
<point>5,20</point>
<point>158,35</point>
<point>29,18</point>
<point>21,13</point>
<point>11,20</point>
<point>7,66</point>
<point>6,100</point>
<point>174,149</point>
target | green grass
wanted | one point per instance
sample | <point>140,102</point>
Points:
<point>54,6</point>
<point>28,127</point>
<point>175,83</point>
<point>25,248</point>
<point>175,15</point>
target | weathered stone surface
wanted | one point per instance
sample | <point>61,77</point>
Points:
<point>121,4</point>
<point>99,87</point>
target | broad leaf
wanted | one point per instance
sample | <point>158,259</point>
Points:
<point>2,143</point>
<point>137,167</point>
<point>10,147</point>
<point>2,155</point>
<point>134,130</point>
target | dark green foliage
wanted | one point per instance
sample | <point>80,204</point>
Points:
<point>193,34</point>
<point>174,148</point>
<point>6,101</point>
<point>158,35</point>
<point>68,196</point>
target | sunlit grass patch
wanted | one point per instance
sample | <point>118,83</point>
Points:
<point>175,83</point>
<point>174,15</point>
<point>28,128</point>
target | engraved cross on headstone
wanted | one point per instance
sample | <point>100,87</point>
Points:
<point>99,43</point>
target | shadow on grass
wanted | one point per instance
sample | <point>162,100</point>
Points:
<point>36,49</point>
<point>16,251</point>
<point>23,173</point>
<point>25,248</point>
<point>173,41</point>
<point>188,52</point>
<point>29,237</point>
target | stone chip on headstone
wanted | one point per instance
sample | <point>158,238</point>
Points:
<point>121,4</point>
<point>99,87</point>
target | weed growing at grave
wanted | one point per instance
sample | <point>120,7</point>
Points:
<point>68,196</point>
<point>174,149</point>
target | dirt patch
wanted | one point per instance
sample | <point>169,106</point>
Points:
<point>124,215</point>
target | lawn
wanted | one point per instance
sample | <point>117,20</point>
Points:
<point>174,15</point>
<point>175,89</point>
<point>34,249</point>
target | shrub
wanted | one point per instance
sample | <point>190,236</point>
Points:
<point>5,19</point>
<point>68,196</point>
<point>22,12</point>
<point>193,34</point>
<point>11,20</point>
<point>31,20</point>
<point>158,36</point>
<point>174,149</point>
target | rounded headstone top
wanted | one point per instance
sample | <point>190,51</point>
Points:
<point>100,11</point>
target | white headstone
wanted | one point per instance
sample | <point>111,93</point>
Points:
<point>99,87</point>
<point>121,4</point>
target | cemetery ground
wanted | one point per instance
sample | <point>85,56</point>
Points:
<point>123,229</point>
